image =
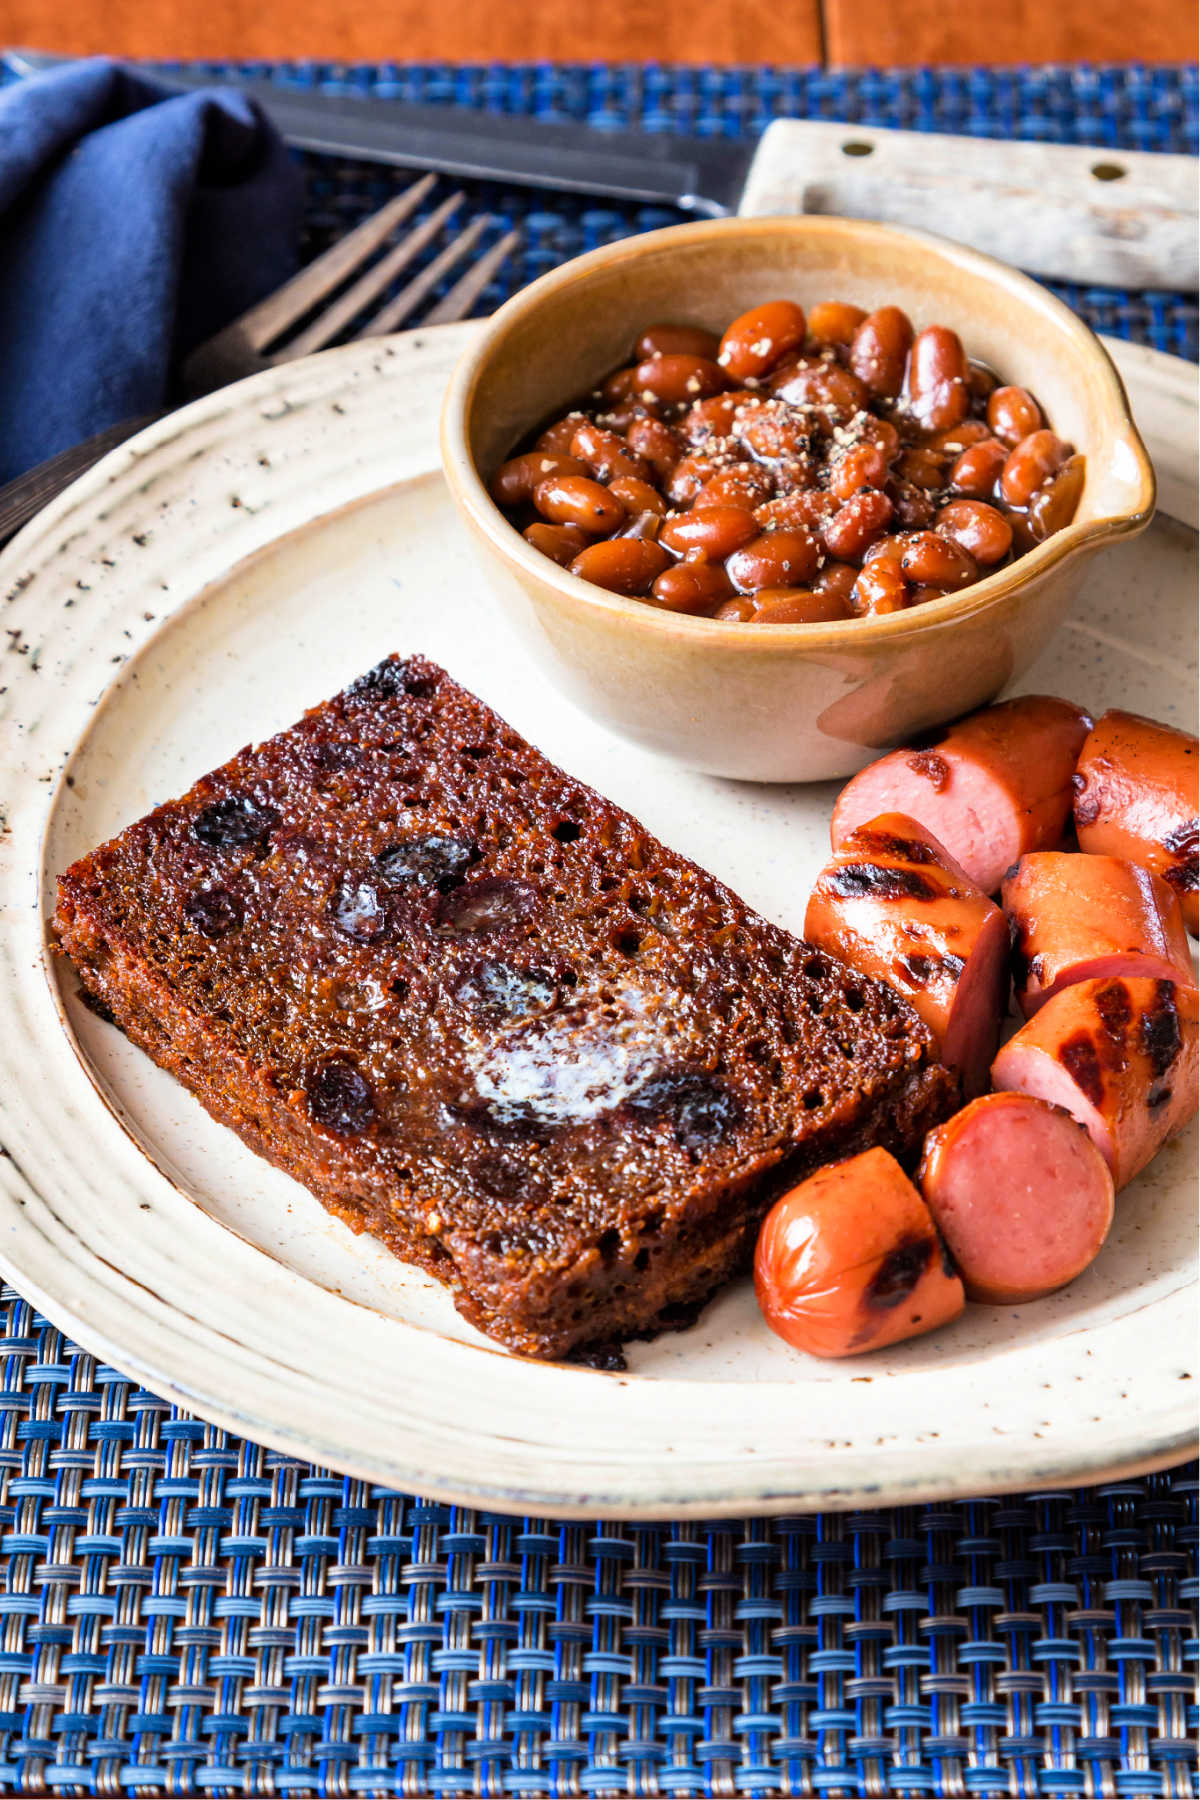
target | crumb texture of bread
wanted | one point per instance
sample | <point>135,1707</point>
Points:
<point>482,1014</point>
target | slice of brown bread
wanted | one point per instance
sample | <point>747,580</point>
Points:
<point>484,1015</point>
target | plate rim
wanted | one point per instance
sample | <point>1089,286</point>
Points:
<point>1171,1444</point>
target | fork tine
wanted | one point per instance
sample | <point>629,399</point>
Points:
<point>330,323</point>
<point>462,296</point>
<point>272,316</point>
<point>410,297</point>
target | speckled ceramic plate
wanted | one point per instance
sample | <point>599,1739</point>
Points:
<point>238,562</point>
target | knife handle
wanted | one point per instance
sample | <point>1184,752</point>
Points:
<point>1119,218</point>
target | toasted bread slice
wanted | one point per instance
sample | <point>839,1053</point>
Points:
<point>482,1014</point>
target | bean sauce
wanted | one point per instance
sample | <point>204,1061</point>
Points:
<point>793,469</point>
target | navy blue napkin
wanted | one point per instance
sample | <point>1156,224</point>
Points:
<point>133,224</point>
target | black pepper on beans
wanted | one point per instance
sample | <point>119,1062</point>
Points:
<point>793,470</point>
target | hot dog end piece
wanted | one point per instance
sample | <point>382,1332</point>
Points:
<point>1120,1055</point>
<point>851,1261</point>
<point>1077,918</point>
<point>894,903</point>
<point>1136,795</point>
<point>990,788</point>
<point>1020,1193</point>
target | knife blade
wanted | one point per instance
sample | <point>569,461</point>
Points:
<point>1067,211</point>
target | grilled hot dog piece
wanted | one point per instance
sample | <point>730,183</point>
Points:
<point>895,904</point>
<point>1120,1055</point>
<point>1020,1193</point>
<point>989,788</point>
<point>1075,918</point>
<point>1136,796</point>
<point>850,1261</point>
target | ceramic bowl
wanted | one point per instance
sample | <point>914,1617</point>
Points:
<point>785,702</point>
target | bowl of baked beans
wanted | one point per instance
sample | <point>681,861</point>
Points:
<point>773,494</point>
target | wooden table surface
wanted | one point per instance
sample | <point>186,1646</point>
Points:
<point>840,33</point>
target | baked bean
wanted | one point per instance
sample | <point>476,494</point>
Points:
<point>606,453</point>
<point>773,432</point>
<point>1031,463</point>
<point>919,595</point>
<point>882,433</point>
<point>785,606</point>
<point>691,587</point>
<point>514,481</point>
<point>880,588</point>
<point>713,532</point>
<point>834,322</point>
<point>760,338</point>
<point>626,412</point>
<point>1012,413</point>
<point>746,484</point>
<point>776,559</point>
<point>688,477</point>
<point>637,496</point>
<point>575,500</point>
<point>958,437</point>
<point>982,531</point>
<point>861,466</point>
<point>713,418</point>
<point>809,507</point>
<point>555,440</point>
<point>624,565</point>
<point>930,559</point>
<point>677,340</point>
<point>656,444</point>
<point>1053,506</point>
<point>796,474</point>
<point>857,524</point>
<point>977,470</point>
<point>881,585</point>
<point>911,504</point>
<point>938,394</point>
<point>923,468</point>
<point>678,379</point>
<point>879,351</point>
<point>824,386</point>
<point>836,578</point>
<point>619,385</point>
<point>561,543</point>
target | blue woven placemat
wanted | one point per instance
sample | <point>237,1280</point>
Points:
<point>187,1613</point>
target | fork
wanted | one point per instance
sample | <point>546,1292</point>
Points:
<point>280,329</point>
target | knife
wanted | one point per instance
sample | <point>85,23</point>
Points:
<point>1072,212</point>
